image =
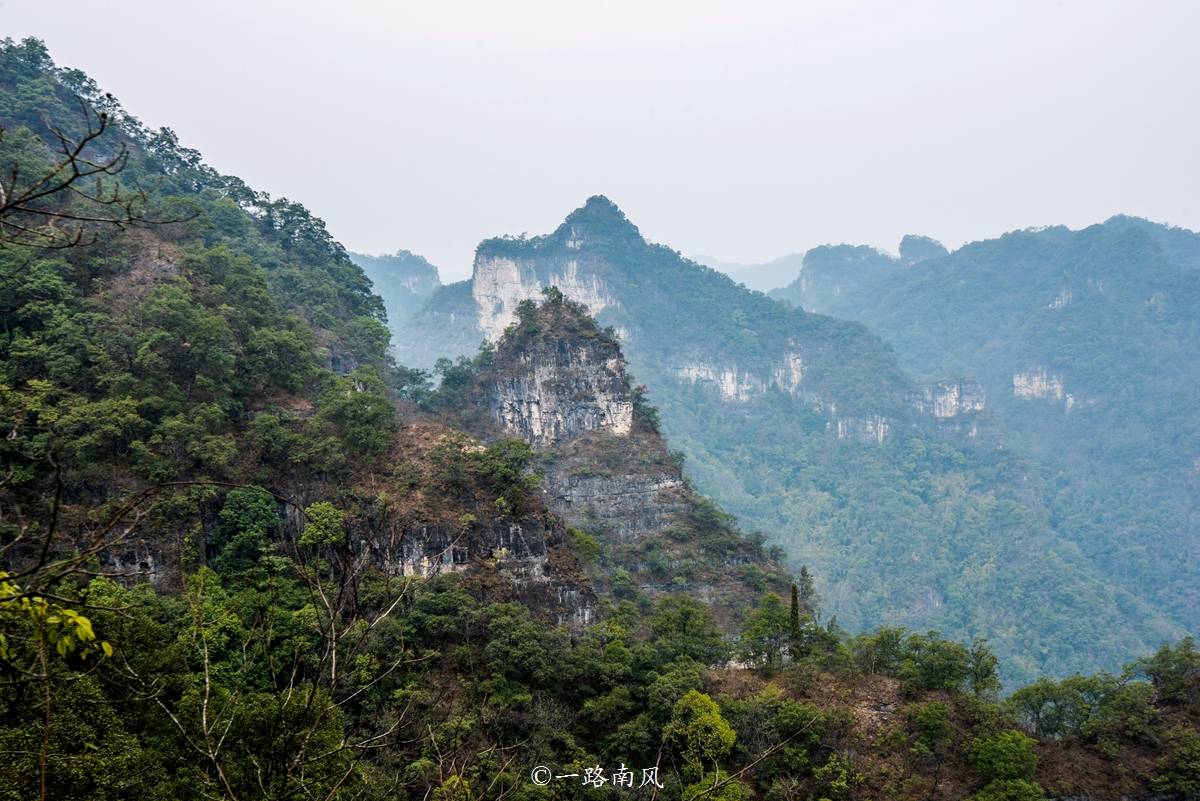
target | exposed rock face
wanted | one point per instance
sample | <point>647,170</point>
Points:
<point>559,382</point>
<point>554,390</point>
<point>523,560</point>
<point>1041,384</point>
<point>733,383</point>
<point>1037,383</point>
<point>736,385</point>
<point>634,498</point>
<point>950,398</point>
<point>500,283</point>
<point>507,272</point>
<point>873,428</point>
<point>1061,300</point>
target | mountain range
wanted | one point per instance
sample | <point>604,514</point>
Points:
<point>1087,345</point>
<point>906,490</point>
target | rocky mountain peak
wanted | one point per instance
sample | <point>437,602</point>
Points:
<point>557,375</point>
<point>598,219</point>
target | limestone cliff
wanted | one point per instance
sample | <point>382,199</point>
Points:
<point>553,390</point>
<point>451,521</point>
<point>558,381</point>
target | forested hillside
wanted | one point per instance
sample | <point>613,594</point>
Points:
<point>1087,346</point>
<point>244,556</point>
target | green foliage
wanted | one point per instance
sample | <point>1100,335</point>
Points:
<point>973,535</point>
<point>881,651</point>
<point>1101,310</point>
<point>455,788</point>
<point>583,544</point>
<point>1007,755</point>
<point>717,786</point>
<point>248,521</point>
<point>500,470</point>
<point>766,633</point>
<point>30,623</point>
<point>685,629</point>
<point>325,524</point>
<point>1010,790</point>
<point>1174,671</point>
<point>240,347</point>
<point>645,416</point>
<point>1179,770</point>
<point>402,280</point>
<point>930,723</point>
<point>358,405</point>
<point>1066,708</point>
<point>933,663</point>
<point>698,734</point>
<point>837,777</point>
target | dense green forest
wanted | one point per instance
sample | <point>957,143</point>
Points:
<point>204,436</point>
<point>1087,344</point>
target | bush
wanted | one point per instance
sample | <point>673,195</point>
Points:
<point>1179,771</point>
<point>1007,755</point>
<point>1010,790</point>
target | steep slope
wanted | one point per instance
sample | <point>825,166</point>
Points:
<point>807,429</point>
<point>557,381</point>
<point>167,377</point>
<point>1087,344</point>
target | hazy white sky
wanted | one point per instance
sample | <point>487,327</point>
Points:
<point>742,130</point>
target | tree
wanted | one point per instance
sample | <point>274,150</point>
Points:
<point>1175,673</point>
<point>794,621</point>
<point>1058,709</point>
<point>933,663</point>
<point>248,518</point>
<point>717,786</point>
<point>766,633</point>
<point>51,193</point>
<point>881,651</point>
<point>983,673</point>
<point>807,591</point>
<point>1006,755</point>
<point>684,628</point>
<point>698,734</point>
<point>1179,770</point>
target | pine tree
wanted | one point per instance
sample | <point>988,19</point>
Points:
<point>808,592</point>
<point>794,633</point>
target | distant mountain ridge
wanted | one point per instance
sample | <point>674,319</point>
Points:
<point>1087,344</point>
<point>762,277</point>
<point>828,272</point>
<point>403,280</point>
<point>775,276</point>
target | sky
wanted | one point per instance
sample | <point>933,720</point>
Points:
<point>744,131</point>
